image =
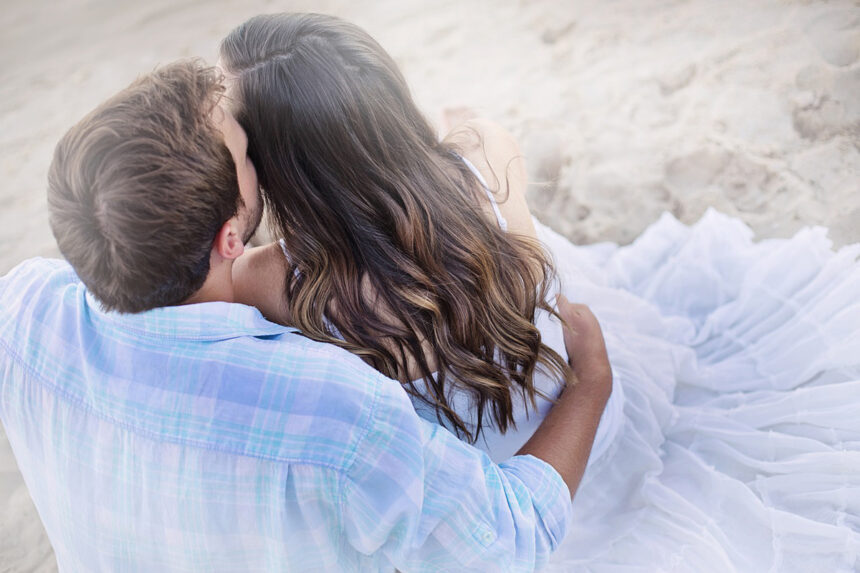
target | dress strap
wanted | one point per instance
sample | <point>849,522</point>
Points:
<point>503,223</point>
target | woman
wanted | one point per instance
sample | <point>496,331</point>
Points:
<point>395,248</point>
<point>420,256</point>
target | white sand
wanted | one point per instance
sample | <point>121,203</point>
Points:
<point>625,108</point>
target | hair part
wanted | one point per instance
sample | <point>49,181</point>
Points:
<point>386,236</point>
<point>138,189</point>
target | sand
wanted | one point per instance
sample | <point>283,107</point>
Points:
<point>624,109</point>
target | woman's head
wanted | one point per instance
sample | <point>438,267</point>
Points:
<point>380,219</point>
<point>321,99</point>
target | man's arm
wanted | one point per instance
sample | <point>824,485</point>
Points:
<point>428,501</point>
<point>565,437</point>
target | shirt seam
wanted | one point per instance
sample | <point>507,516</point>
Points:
<point>344,481</point>
<point>77,403</point>
<point>353,455</point>
<point>342,485</point>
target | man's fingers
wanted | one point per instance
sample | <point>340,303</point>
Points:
<point>574,314</point>
<point>586,348</point>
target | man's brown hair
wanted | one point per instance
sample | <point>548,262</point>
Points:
<point>138,189</point>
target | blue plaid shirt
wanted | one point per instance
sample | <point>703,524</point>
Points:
<point>205,438</point>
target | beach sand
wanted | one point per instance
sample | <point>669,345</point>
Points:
<point>624,110</point>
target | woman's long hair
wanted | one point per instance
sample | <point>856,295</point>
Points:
<point>386,237</point>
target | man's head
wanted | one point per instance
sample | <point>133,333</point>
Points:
<point>153,190</point>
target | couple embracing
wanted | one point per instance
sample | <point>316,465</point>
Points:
<point>397,382</point>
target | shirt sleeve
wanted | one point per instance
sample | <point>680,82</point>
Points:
<point>430,502</point>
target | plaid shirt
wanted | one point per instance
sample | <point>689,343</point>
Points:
<point>205,438</point>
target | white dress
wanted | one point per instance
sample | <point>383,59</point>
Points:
<point>740,364</point>
<point>731,441</point>
<point>732,438</point>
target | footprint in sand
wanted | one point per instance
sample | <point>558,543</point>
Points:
<point>544,154</point>
<point>836,36</point>
<point>831,105</point>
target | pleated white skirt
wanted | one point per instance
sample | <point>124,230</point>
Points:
<point>739,444</point>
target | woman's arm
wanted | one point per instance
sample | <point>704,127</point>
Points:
<point>496,155</point>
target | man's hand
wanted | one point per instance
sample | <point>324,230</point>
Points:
<point>585,346</point>
<point>564,438</point>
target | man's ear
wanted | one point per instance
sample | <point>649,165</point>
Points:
<point>228,242</point>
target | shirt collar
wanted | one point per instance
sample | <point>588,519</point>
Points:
<point>200,321</point>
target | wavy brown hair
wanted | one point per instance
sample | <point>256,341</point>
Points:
<point>383,224</point>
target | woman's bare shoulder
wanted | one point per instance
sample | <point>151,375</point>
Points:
<point>259,277</point>
<point>494,152</point>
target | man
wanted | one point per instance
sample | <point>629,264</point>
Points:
<point>161,427</point>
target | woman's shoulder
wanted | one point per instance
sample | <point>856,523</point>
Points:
<point>494,152</point>
<point>489,147</point>
<point>259,277</point>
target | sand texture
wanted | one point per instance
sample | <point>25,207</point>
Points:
<point>624,109</point>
